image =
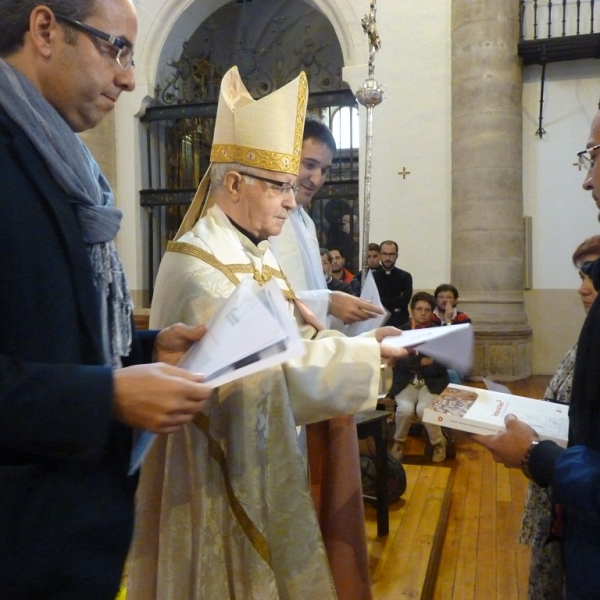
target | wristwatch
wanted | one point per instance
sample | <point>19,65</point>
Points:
<point>526,458</point>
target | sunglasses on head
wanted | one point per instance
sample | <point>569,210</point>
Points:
<point>587,267</point>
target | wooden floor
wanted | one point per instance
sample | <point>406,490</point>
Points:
<point>479,557</point>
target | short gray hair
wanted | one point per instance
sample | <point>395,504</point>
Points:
<point>218,171</point>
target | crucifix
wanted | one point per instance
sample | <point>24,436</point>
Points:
<point>369,95</point>
<point>404,172</point>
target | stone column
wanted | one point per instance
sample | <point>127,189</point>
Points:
<point>487,196</point>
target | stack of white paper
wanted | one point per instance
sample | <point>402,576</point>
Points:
<point>251,331</point>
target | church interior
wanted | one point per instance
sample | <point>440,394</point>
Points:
<point>473,171</point>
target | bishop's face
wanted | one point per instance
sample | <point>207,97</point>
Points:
<point>264,207</point>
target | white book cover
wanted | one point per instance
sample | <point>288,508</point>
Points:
<point>482,411</point>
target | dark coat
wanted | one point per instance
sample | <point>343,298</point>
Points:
<point>66,502</point>
<point>337,285</point>
<point>395,290</point>
<point>405,369</point>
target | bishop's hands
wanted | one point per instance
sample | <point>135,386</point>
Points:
<point>350,309</point>
<point>161,397</point>
<point>508,447</point>
<point>390,354</point>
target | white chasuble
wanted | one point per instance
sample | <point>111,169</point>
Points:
<point>224,507</point>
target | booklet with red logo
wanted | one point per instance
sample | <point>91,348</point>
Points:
<point>483,411</point>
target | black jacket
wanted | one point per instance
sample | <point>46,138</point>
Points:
<point>395,290</point>
<point>66,502</point>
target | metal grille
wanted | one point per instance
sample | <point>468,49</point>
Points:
<point>178,143</point>
<point>547,19</point>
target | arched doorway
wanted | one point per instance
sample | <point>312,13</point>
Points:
<point>270,41</point>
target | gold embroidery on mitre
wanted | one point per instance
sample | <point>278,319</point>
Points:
<point>300,115</point>
<point>229,270</point>
<point>260,159</point>
<point>257,539</point>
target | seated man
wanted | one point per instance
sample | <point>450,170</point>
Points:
<point>339,271</point>
<point>445,313</point>
<point>373,260</point>
<point>333,284</point>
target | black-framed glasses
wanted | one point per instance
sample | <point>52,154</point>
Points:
<point>124,53</point>
<point>283,187</point>
<point>585,159</point>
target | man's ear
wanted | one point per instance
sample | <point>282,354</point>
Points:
<point>43,29</point>
<point>232,183</point>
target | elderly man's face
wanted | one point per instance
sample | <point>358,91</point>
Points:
<point>83,81</point>
<point>592,177</point>
<point>264,207</point>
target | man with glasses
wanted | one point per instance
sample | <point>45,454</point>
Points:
<point>297,248</point>
<point>67,408</point>
<point>574,472</point>
<point>394,284</point>
<point>446,313</point>
<point>341,510</point>
<point>225,506</point>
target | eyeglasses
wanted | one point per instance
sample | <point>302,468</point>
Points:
<point>585,160</point>
<point>282,187</point>
<point>124,53</point>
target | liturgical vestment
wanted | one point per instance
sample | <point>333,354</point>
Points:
<point>224,507</point>
<point>333,451</point>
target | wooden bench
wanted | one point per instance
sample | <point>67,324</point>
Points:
<point>404,564</point>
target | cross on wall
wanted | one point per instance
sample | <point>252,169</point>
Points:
<point>404,172</point>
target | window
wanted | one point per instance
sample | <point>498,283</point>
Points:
<point>344,126</point>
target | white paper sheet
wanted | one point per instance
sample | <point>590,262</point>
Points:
<point>251,331</point>
<point>451,345</point>
<point>371,294</point>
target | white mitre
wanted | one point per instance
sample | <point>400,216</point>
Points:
<point>265,133</point>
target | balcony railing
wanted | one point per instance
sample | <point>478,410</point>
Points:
<point>558,31</point>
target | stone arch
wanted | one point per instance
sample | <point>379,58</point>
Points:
<point>176,20</point>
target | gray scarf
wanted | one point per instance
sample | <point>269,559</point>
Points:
<point>78,174</point>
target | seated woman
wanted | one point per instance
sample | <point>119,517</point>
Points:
<point>416,383</point>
